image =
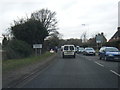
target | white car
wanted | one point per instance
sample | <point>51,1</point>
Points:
<point>89,51</point>
<point>68,50</point>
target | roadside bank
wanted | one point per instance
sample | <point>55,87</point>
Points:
<point>13,75</point>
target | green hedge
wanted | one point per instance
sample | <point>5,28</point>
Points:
<point>17,49</point>
<point>18,63</point>
<point>113,44</point>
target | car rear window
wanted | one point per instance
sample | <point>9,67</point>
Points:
<point>71,48</point>
<point>66,48</point>
<point>89,49</point>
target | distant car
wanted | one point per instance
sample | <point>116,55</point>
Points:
<point>68,50</point>
<point>77,49</point>
<point>109,53</point>
<point>89,51</point>
<point>61,48</point>
<point>81,50</point>
<point>52,51</point>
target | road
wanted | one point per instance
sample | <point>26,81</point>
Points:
<point>81,72</point>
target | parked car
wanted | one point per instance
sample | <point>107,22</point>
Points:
<point>89,51</point>
<point>81,50</point>
<point>51,51</point>
<point>62,48</point>
<point>77,49</point>
<point>68,50</point>
<point>109,53</point>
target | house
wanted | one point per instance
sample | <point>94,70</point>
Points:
<point>116,36</point>
<point>100,38</point>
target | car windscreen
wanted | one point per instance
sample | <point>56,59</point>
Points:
<point>71,48</point>
<point>112,49</point>
<point>89,49</point>
<point>81,48</point>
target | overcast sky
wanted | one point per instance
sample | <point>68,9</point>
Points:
<point>97,15</point>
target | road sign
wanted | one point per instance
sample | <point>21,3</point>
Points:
<point>99,39</point>
<point>37,45</point>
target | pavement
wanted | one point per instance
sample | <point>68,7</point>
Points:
<point>80,72</point>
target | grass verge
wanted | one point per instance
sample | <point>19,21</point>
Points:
<point>17,63</point>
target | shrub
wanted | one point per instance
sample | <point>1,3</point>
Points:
<point>113,44</point>
<point>18,49</point>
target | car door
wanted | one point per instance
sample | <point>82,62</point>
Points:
<point>102,52</point>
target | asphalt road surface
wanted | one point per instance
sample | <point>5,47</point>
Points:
<point>81,72</point>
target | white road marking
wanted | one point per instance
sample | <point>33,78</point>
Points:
<point>99,64</point>
<point>115,73</point>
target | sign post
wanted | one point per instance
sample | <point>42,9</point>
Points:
<point>99,40</point>
<point>37,47</point>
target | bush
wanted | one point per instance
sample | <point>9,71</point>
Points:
<point>113,44</point>
<point>18,49</point>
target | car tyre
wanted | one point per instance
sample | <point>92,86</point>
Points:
<point>74,56</point>
<point>100,58</point>
<point>63,56</point>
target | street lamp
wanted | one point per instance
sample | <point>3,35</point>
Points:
<point>84,33</point>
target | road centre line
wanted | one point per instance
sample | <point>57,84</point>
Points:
<point>99,64</point>
<point>115,73</point>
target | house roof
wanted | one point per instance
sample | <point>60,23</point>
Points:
<point>117,34</point>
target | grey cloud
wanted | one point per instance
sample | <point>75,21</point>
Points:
<point>101,16</point>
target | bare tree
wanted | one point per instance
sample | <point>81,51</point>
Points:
<point>47,18</point>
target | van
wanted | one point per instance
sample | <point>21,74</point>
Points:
<point>68,50</point>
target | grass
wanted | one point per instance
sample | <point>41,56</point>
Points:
<point>17,63</point>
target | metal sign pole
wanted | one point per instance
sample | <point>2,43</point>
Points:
<point>40,51</point>
<point>36,51</point>
<point>37,47</point>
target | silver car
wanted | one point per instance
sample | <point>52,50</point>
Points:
<point>89,51</point>
<point>81,50</point>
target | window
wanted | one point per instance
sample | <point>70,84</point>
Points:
<point>71,48</point>
<point>66,48</point>
<point>112,49</point>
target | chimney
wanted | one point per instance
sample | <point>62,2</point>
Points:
<point>102,33</point>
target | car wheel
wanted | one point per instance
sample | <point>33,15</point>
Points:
<point>100,58</point>
<point>63,56</point>
<point>74,56</point>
